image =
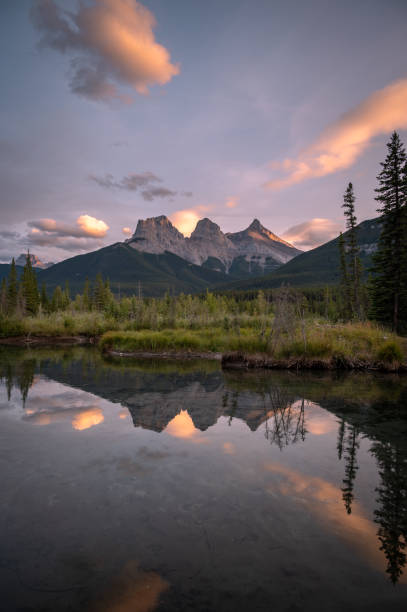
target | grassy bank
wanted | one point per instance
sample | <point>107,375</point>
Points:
<point>252,334</point>
<point>348,346</point>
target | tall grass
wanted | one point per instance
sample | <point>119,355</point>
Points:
<point>58,324</point>
<point>347,344</point>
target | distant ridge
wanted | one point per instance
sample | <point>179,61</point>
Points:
<point>317,267</point>
<point>130,271</point>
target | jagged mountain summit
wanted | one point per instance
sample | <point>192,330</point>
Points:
<point>35,261</point>
<point>254,250</point>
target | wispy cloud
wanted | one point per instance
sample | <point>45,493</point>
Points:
<point>340,145</point>
<point>130,182</point>
<point>157,192</point>
<point>115,43</point>
<point>134,182</point>
<point>312,233</point>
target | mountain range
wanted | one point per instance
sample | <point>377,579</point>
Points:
<point>254,250</point>
<point>158,258</point>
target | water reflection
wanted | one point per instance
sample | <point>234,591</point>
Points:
<point>184,400</point>
<point>133,590</point>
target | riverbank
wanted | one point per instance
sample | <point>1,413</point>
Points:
<point>315,345</point>
<point>325,347</point>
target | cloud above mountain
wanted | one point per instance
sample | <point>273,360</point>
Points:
<point>312,233</point>
<point>130,182</point>
<point>134,182</point>
<point>84,235</point>
<point>112,43</point>
<point>341,143</point>
<point>185,220</point>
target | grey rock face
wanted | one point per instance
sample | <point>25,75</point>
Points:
<point>35,261</point>
<point>257,240</point>
<point>207,241</point>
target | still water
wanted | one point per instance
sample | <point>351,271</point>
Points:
<point>135,486</point>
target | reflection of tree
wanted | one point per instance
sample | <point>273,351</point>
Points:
<point>21,375</point>
<point>341,434</point>
<point>351,467</point>
<point>287,423</point>
<point>391,515</point>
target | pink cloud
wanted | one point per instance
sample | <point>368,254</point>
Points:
<point>340,145</point>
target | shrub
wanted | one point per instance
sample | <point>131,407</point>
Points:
<point>11,327</point>
<point>390,352</point>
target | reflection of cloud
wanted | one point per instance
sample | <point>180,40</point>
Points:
<point>319,422</point>
<point>81,418</point>
<point>325,501</point>
<point>229,448</point>
<point>344,141</point>
<point>133,590</point>
<point>115,44</point>
<point>181,426</point>
<point>87,419</point>
<point>312,233</point>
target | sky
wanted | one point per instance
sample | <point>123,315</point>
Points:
<point>117,110</point>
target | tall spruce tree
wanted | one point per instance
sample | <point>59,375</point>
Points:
<point>346,306</point>
<point>12,289</point>
<point>44,299</point>
<point>354,266</point>
<point>30,287</point>
<point>3,297</point>
<point>388,290</point>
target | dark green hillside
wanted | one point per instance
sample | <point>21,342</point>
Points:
<point>5,271</point>
<point>126,268</point>
<point>317,267</point>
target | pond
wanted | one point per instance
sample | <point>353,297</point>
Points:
<point>130,486</point>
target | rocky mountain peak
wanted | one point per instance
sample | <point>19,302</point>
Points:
<point>35,261</point>
<point>208,242</point>
<point>207,229</point>
<point>256,226</point>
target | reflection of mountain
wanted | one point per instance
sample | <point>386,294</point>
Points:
<point>182,397</point>
<point>155,398</point>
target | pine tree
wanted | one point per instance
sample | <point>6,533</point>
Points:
<point>44,299</point>
<point>86,295</point>
<point>389,285</point>
<point>352,253</point>
<point>57,301</point>
<point>30,287</point>
<point>3,297</point>
<point>12,289</point>
<point>67,294</point>
<point>344,282</point>
<point>99,293</point>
